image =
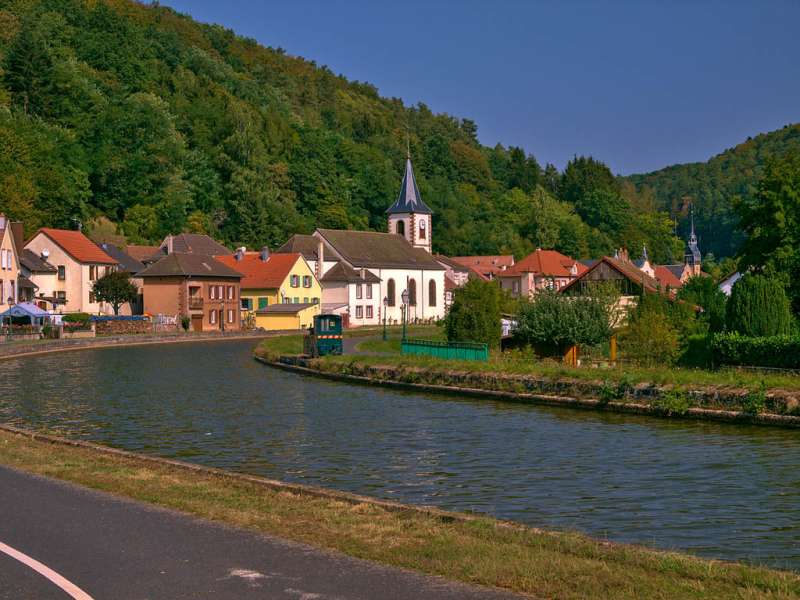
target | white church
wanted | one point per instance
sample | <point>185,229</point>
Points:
<point>364,274</point>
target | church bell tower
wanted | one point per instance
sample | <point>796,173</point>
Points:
<point>409,216</point>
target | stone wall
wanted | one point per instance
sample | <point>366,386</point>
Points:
<point>123,327</point>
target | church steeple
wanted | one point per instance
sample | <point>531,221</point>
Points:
<point>409,216</point>
<point>692,256</point>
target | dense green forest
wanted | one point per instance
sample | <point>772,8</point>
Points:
<point>115,110</point>
<point>713,186</point>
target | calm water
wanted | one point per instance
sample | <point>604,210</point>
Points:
<point>716,490</point>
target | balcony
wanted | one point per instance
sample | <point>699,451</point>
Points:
<point>195,303</point>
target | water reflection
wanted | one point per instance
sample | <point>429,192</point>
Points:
<point>718,490</point>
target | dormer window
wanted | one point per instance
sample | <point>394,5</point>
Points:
<point>422,229</point>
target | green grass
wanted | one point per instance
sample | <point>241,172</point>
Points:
<point>392,344</point>
<point>483,551</point>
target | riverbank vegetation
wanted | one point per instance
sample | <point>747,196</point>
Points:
<point>476,550</point>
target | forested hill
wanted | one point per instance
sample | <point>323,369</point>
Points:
<point>115,110</point>
<point>712,185</point>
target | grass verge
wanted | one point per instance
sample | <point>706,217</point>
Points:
<point>480,551</point>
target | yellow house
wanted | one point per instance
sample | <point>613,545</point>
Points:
<point>275,279</point>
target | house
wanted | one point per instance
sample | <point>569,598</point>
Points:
<point>539,270</point>
<point>130,265</point>
<point>399,261</point>
<point>668,276</point>
<point>194,286</point>
<point>343,287</point>
<point>9,264</point>
<point>34,267</point>
<point>726,285</point>
<point>456,272</point>
<point>283,317</point>
<point>488,266</point>
<point>269,279</point>
<point>141,253</point>
<point>79,262</point>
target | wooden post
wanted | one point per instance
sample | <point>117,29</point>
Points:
<point>571,356</point>
<point>612,351</point>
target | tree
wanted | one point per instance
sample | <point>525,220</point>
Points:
<point>758,307</point>
<point>115,288</point>
<point>771,220</point>
<point>474,315</point>
<point>704,292</point>
<point>650,337</point>
<point>555,322</point>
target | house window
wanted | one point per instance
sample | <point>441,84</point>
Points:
<point>296,300</point>
<point>432,293</point>
<point>294,281</point>
<point>401,228</point>
<point>369,291</point>
<point>212,317</point>
<point>390,292</point>
<point>8,259</point>
<point>231,293</point>
<point>305,300</point>
<point>2,293</point>
<point>359,291</point>
<point>92,298</point>
<point>306,281</point>
<point>247,303</point>
<point>212,292</point>
<point>221,292</point>
<point>412,292</point>
<point>359,312</point>
<point>422,232</point>
<point>62,272</point>
<point>263,303</point>
<point>230,315</point>
<point>369,311</point>
<point>315,300</point>
<point>92,272</point>
<point>2,259</point>
<point>515,287</point>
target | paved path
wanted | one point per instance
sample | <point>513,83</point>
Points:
<point>118,549</point>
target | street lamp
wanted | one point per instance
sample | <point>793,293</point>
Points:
<point>385,305</point>
<point>404,297</point>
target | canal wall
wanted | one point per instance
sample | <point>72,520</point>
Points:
<point>20,349</point>
<point>780,408</point>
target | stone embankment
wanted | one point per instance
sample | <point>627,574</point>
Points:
<point>780,408</point>
<point>33,347</point>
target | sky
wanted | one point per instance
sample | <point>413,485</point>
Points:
<point>638,85</point>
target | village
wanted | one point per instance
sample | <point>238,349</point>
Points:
<point>192,282</point>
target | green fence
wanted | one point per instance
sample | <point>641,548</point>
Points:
<point>449,350</point>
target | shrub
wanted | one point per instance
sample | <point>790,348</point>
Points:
<point>780,351</point>
<point>474,315</point>
<point>673,402</point>
<point>186,322</point>
<point>704,292</point>
<point>755,401</point>
<point>758,307</point>
<point>697,352</point>
<point>76,318</point>
<point>650,338</point>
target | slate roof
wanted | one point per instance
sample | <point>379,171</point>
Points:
<point>409,200</point>
<point>304,244</point>
<point>126,262</point>
<point>259,274</point>
<point>35,263</point>
<point>77,245</point>
<point>676,270</point>
<point>345,273</point>
<point>179,264</point>
<point>378,250</point>
<point>548,263</point>
<point>25,283</point>
<point>284,308</point>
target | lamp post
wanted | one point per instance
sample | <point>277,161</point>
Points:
<point>404,297</point>
<point>385,305</point>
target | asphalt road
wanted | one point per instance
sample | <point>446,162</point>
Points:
<point>118,549</point>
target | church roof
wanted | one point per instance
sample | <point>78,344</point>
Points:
<point>409,200</point>
<point>378,250</point>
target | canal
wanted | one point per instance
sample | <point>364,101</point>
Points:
<point>716,490</point>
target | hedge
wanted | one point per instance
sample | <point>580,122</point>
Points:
<point>780,351</point>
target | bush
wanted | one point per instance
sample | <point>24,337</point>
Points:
<point>186,322</point>
<point>704,292</point>
<point>697,352</point>
<point>758,307</point>
<point>82,318</point>
<point>650,338</point>
<point>780,351</point>
<point>474,315</point>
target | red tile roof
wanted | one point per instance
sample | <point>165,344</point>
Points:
<point>666,277</point>
<point>77,245</point>
<point>486,264</point>
<point>140,253</point>
<point>259,274</point>
<point>548,263</point>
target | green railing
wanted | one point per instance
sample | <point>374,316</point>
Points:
<point>448,350</point>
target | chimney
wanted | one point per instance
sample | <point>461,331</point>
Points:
<point>169,244</point>
<point>240,253</point>
<point>320,259</point>
<point>264,254</point>
<point>363,273</point>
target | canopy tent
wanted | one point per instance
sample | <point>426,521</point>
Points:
<point>23,310</point>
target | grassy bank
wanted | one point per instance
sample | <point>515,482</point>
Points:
<point>480,551</point>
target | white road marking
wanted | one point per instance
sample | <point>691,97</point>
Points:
<point>70,588</point>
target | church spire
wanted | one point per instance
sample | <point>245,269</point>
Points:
<point>409,200</point>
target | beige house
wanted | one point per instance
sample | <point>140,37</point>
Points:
<point>9,265</point>
<point>78,261</point>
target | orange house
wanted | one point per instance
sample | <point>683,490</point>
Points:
<point>196,286</point>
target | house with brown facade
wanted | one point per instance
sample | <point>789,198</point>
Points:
<point>193,285</point>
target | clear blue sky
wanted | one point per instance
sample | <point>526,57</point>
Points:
<point>639,85</point>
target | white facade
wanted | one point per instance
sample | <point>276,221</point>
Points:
<point>416,228</point>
